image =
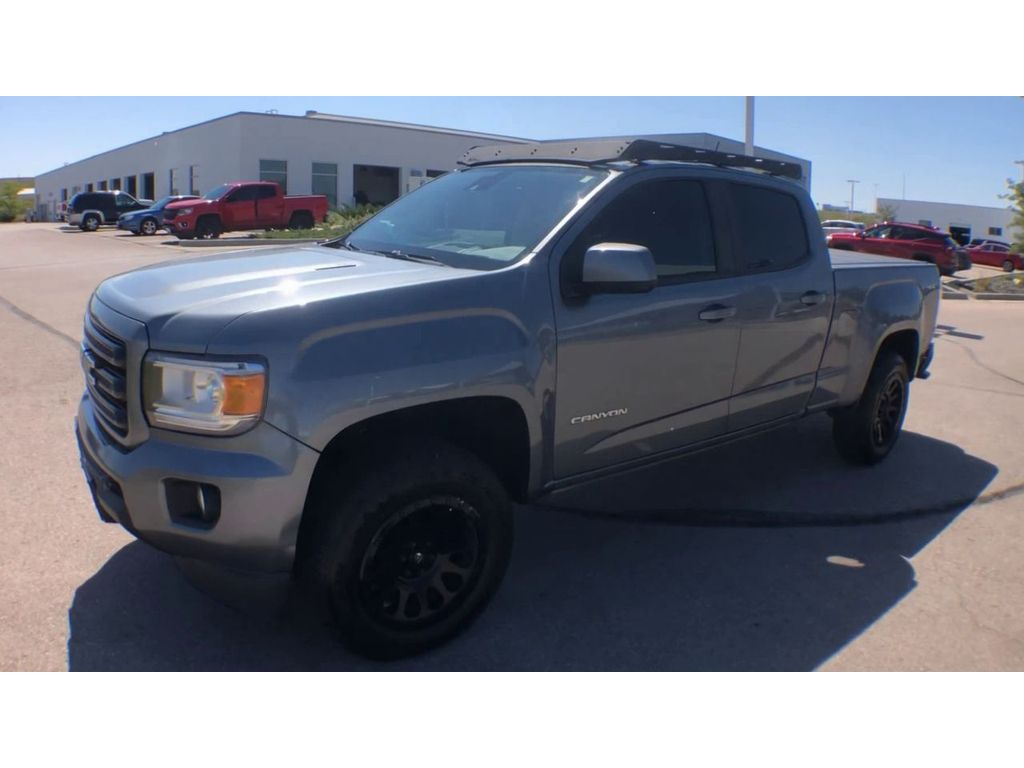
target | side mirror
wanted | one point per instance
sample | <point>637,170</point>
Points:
<point>618,268</point>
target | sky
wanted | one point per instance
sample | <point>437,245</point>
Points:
<point>943,149</point>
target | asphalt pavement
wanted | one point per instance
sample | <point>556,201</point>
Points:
<point>765,554</point>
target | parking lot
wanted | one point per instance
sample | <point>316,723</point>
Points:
<point>766,554</point>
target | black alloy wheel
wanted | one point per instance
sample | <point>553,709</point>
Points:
<point>421,563</point>
<point>888,410</point>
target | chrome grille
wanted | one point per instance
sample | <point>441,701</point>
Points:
<point>103,363</point>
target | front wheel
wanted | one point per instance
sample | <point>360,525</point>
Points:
<point>865,433</point>
<point>410,546</point>
<point>208,229</point>
<point>148,227</point>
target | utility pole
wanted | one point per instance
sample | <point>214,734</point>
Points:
<point>851,182</point>
<point>748,147</point>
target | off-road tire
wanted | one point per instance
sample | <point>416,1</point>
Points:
<point>208,228</point>
<point>859,436</point>
<point>360,512</point>
<point>301,220</point>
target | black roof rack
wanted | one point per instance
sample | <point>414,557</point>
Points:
<point>607,151</point>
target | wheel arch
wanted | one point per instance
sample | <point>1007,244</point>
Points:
<point>494,428</point>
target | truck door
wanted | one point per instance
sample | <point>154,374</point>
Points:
<point>269,206</point>
<point>638,374</point>
<point>785,303</point>
<point>238,209</point>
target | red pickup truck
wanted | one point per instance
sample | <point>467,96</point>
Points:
<point>243,205</point>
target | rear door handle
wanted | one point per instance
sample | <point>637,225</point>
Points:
<point>716,312</point>
<point>811,298</point>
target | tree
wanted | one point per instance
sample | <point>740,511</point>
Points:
<point>886,211</point>
<point>1016,198</point>
<point>10,204</point>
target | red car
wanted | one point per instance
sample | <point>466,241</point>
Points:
<point>905,241</point>
<point>996,255</point>
<point>243,205</point>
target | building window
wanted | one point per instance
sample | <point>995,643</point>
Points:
<point>172,182</point>
<point>130,186</point>
<point>434,174</point>
<point>998,231</point>
<point>88,187</point>
<point>193,179</point>
<point>115,184</point>
<point>103,186</point>
<point>64,194</point>
<point>275,170</point>
<point>325,182</point>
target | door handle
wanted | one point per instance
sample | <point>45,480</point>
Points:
<point>716,312</point>
<point>812,298</point>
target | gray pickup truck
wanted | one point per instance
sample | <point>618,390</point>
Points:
<point>362,413</point>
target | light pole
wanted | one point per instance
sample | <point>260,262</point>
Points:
<point>748,147</point>
<point>851,182</point>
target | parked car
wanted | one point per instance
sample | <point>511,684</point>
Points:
<point>362,412</point>
<point>905,241</point>
<point>983,240</point>
<point>840,225</point>
<point>148,221</point>
<point>996,254</point>
<point>244,205</point>
<point>89,210</point>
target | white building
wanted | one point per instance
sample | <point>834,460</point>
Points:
<point>313,154</point>
<point>348,159</point>
<point>964,222</point>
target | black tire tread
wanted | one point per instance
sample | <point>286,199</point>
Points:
<point>345,508</point>
<point>851,425</point>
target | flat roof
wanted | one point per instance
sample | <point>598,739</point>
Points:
<point>895,201</point>
<point>310,115</point>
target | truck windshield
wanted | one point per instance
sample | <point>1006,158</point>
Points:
<point>217,192</point>
<point>482,218</point>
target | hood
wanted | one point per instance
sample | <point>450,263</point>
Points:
<point>184,304</point>
<point>179,204</point>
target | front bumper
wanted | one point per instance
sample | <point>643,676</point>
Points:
<point>262,477</point>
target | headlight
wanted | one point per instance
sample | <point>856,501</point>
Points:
<point>184,211</point>
<point>193,395</point>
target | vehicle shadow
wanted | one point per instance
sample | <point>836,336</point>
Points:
<point>770,554</point>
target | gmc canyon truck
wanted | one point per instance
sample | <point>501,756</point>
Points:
<point>361,413</point>
<point>243,205</point>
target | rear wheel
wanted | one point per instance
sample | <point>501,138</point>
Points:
<point>865,433</point>
<point>1008,266</point>
<point>90,222</point>
<point>301,220</point>
<point>148,227</point>
<point>409,546</point>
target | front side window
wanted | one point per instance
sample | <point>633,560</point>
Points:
<point>769,228</point>
<point>669,217</point>
<point>482,218</point>
<point>275,170</point>
<point>242,195</point>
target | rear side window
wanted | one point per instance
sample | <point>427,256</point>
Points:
<point>265,193</point>
<point>768,228</point>
<point>669,217</point>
